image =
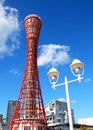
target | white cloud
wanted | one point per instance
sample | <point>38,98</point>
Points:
<point>73,102</point>
<point>87,80</point>
<point>9,29</point>
<point>14,71</point>
<point>53,54</point>
<point>64,100</point>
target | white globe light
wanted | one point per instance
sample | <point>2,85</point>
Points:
<point>54,78</point>
<point>77,70</point>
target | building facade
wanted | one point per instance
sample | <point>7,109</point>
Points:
<point>56,113</point>
<point>1,121</point>
<point>10,111</point>
<point>86,121</point>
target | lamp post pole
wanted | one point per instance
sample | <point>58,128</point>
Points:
<point>66,82</point>
<point>68,105</point>
<point>77,70</point>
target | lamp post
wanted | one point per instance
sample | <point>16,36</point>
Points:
<point>77,69</point>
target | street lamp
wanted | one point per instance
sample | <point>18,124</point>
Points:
<point>77,69</point>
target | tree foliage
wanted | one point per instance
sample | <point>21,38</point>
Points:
<point>83,128</point>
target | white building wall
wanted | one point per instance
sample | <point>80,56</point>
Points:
<point>86,121</point>
<point>1,128</point>
<point>56,112</point>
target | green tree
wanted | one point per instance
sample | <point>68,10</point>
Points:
<point>83,128</point>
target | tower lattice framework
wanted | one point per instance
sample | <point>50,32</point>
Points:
<point>29,112</point>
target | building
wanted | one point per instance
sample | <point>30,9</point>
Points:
<point>56,113</point>
<point>57,117</point>
<point>10,111</point>
<point>66,127</point>
<point>1,121</point>
<point>86,121</point>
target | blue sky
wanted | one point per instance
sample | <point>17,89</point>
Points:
<point>66,34</point>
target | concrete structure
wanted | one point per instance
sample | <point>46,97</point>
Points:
<point>1,121</point>
<point>10,111</point>
<point>86,121</point>
<point>29,112</point>
<point>66,127</point>
<point>56,113</point>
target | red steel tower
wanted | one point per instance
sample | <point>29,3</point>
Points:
<point>29,112</point>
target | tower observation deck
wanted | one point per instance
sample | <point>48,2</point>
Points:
<point>29,112</point>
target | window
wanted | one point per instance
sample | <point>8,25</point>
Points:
<point>27,128</point>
